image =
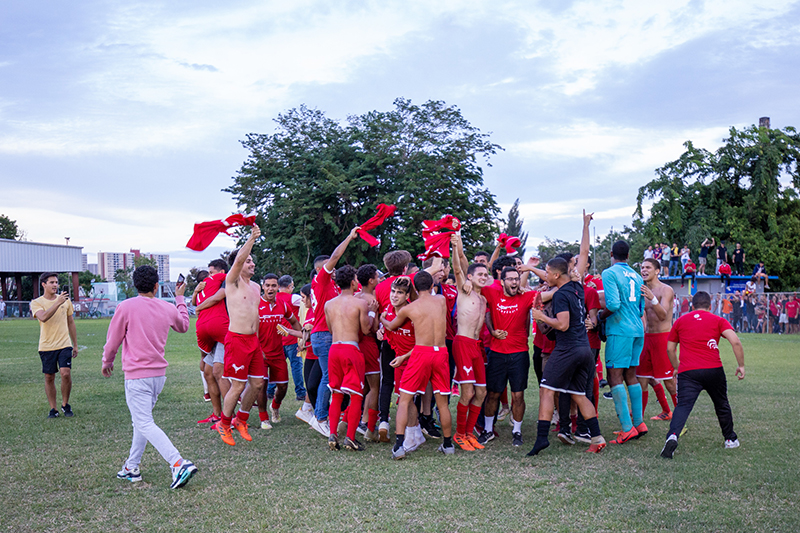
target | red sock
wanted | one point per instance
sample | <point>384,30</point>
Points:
<point>645,396</point>
<point>353,415</point>
<point>345,412</point>
<point>372,419</point>
<point>472,417</point>
<point>226,421</point>
<point>462,411</point>
<point>335,411</point>
<point>662,398</point>
<point>674,400</point>
<point>276,404</point>
<point>263,416</point>
<point>599,367</point>
<point>504,396</point>
<point>596,392</point>
<point>243,415</point>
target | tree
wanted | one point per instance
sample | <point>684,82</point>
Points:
<point>8,228</point>
<point>313,180</point>
<point>735,195</point>
<point>85,280</point>
<point>552,247</point>
<point>514,226</point>
<point>124,277</point>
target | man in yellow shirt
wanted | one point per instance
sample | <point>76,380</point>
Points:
<point>58,340</point>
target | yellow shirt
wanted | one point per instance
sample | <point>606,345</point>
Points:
<point>53,334</point>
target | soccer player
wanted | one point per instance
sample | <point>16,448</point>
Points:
<point>58,341</point>
<point>243,360</point>
<point>427,362</point>
<point>141,326</point>
<point>654,365</point>
<point>323,289</point>
<point>509,360</point>
<point>625,333</point>
<point>700,368</point>
<point>467,352</point>
<point>348,317</point>
<point>271,312</point>
<point>367,276</point>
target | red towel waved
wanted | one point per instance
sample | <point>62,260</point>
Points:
<point>205,232</point>
<point>436,234</point>
<point>384,212</point>
<point>510,243</point>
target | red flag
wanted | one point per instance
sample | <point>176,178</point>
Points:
<point>205,232</point>
<point>384,212</point>
<point>436,234</point>
<point>510,243</point>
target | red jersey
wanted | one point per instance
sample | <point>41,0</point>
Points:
<point>383,291</point>
<point>595,282</point>
<point>219,310</point>
<point>402,340</point>
<point>322,289</point>
<point>698,333</point>
<point>510,313</point>
<point>690,267</point>
<point>592,301</point>
<point>792,307</point>
<point>450,293</point>
<point>309,320</point>
<point>269,316</point>
<point>293,301</point>
<point>725,269</point>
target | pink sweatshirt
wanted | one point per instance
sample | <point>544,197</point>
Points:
<point>141,325</point>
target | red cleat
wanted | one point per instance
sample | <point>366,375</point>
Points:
<point>625,436</point>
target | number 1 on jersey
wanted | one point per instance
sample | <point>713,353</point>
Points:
<point>632,297</point>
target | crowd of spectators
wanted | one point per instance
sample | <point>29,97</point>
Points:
<point>751,313</point>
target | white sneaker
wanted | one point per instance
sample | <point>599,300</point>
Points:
<point>274,414</point>
<point>321,427</point>
<point>182,473</point>
<point>504,412</point>
<point>732,444</point>
<point>383,431</point>
<point>266,425</point>
<point>305,416</point>
<point>362,428</point>
<point>414,439</point>
<point>130,475</point>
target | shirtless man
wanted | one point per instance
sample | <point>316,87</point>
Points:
<point>654,365</point>
<point>367,276</point>
<point>243,360</point>
<point>427,362</point>
<point>467,352</point>
<point>347,316</point>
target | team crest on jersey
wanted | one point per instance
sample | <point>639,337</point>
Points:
<point>697,316</point>
<point>712,344</point>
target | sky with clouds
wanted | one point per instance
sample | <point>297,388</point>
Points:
<point>120,121</point>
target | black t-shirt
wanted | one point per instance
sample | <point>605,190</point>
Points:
<point>704,251</point>
<point>722,253</point>
<point>570,297</point>
<point>738,255</point>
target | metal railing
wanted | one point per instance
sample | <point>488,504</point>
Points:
<point>761,313</point>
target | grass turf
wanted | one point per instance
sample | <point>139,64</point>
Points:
<point>59,475</point>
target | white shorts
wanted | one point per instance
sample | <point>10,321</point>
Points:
<point>217,355</point>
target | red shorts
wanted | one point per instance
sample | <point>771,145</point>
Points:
<point>398,376</point>
<point>372,355</point>
<point>243,357</point>
<point>654,361</point>
<point>210,332</point>
<point>346,369</point>
<point>426,364</point>
<point>276,369</point>
<point>469,356</point>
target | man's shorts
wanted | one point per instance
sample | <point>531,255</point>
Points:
<point>52,360</point>
<point>275,369</point>
<point>217,355</point>
<point>468,355</point>
<point>664,263</point>
<point>794,320</point>
<point>623,352</point>
<point>372,355</point>
<point>511,368</point>
<point>210,332</point>
<point>569,370</point>
<point>243,357</point>
<point>701,260</point>
<point>398,376</point>
<point>427,364</point>
<point>654,362</point>
<point>346,369</point>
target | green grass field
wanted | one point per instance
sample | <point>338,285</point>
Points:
<point>59,475</point>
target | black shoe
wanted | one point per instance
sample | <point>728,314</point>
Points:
<point>67,410</point>
<point>53,414</point>
<point>603,383</point>
<point>428,428</point>
<point>485,437</point>
<point>566,437</point>
<point>353,445</point>
<point>516,439</point>
<point>333,443</point>
<point>669,447</point>
<point>583,436</point>
<point>608,395</point>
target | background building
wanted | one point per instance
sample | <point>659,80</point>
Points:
<point>109,262</point>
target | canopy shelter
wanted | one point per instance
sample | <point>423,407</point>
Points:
<point>23,258</point>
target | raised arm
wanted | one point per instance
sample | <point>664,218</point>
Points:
<point>583,255</point>
<point>241,257</point>
<point>337,254</point>
<point>458,268</point>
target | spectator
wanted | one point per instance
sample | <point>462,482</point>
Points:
<point>716,305</point>
<point>760,272</point>
<point>685,306</point>
<point>736,302</point>
<point>703,258</point>
<point>665,251</point>
<point>674,260</point>
<point>689,270</point>
<point>722,255</point>
<point>775,309</point>
<point>738,259</point>
<point>648,254</point>
<point>760,311</point>
<point>783,318</point>
<point>2,308</point>
<point>724,271</point>
<point>657,253</point>
<point>685,256</point>
<point>750,286</point>
<point>727,308</point>
<point>793,313</point>
<point>750,312</point>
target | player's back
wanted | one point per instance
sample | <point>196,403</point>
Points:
<point>622,288</point>
<point>429,315</point>
<point>344,317</point>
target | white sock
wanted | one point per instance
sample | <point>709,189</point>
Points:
<point>489,423</point>
<point>205,383</point>
<point>517,426</point>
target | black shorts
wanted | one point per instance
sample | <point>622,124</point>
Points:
<point>568,370</point>
<point>794,320</point>
<point>55,359</point>
<point>511,368</point>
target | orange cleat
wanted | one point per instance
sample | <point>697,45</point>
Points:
<point>462,441</point>
<point>666,415</point>
<point>597,447</point>
<point>473,441</point>
<point>625,436</point>
<point>225,433</point>
<point>642,429</point>
<point>241,427</point>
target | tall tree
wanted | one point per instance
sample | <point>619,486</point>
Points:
<point>313,180</point>
<point>8,228</point>
<point>514,226</point>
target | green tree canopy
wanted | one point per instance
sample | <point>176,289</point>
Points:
<point>8,228</point>
<point>514,226</point>
<point>314,179</point>
<point>735,195</point>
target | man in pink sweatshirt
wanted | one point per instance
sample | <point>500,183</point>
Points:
<point>141,326</point>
